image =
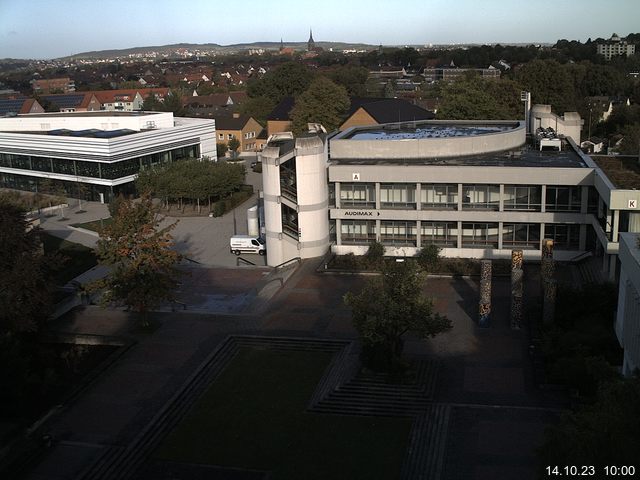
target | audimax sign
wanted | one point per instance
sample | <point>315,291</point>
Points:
<point>360,213</point>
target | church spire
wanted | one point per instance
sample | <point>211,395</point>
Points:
<point>311,45</point>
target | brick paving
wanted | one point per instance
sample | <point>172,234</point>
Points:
<point>485,380</point>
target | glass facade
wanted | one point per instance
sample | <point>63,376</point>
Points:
<point>442,234</point>
<point>476,235</point>
<point>398,195</point>
<point>439,196</point>
<point>526,198</point>
<point>521,235</point>
<point>105,170</point>
<point>398,233</point>
<point>357,195</point>
<point>563,199</point>
<point>357,232</point>
<point>481,197</point>
<point>290,222</point>
<point>565,237</point>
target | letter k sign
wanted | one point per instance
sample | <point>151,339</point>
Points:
<point>633,204</point>
<point>356,177</point>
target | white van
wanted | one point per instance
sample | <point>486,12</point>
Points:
<point>247,244</point>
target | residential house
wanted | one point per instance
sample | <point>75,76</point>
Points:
<point>18,106</point>
<point>214,104</point>
<point>53,85</point>
<point>279,119</point>
<point>376,111</point>
<point>73,102</point>
<point>243,128</point>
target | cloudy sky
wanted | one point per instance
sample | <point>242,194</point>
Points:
<point>55,28</point>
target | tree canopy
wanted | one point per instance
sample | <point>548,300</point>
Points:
<point>475,98</point>
<point>288,79</point>
<point>391,305</point>
<point>25,291</point>
<point>549,83</point>
<point>143,271</point>
<point>323,102</point>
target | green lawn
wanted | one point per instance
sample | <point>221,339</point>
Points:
<point>253,417</point>
<point>96,225</point>
<point>76,258</point>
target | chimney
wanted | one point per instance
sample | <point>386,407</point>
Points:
<point>236,115</point>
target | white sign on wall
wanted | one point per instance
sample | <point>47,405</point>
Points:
<point>632,204</point>
<point>356,177</point>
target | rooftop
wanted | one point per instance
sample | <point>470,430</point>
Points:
<point>525,156</point>
<point>97,113</point>
<point>624,173</point>
<point>406,131</point>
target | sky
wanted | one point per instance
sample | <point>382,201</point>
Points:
<point>54,28</point>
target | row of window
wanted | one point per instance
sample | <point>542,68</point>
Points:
<point>445,234</point>
<point>445,196</point>
<point>96,169</point>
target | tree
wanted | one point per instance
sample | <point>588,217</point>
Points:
<point>351,77</point>
<point>389,306</point>
<point>428,256</point>
<point>323,102</point>
<point>25,292</point>
<point>606,432</point>
<point>142,263</point>
<point>631,140</point>
<point>375,254</point>
<point>234,145</point>
<point>289,79</point>
<point>151,103</point>
<point>221,149</point>
<point>258,108</point>
<point>549,83</point>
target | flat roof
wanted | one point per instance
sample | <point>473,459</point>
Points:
<point>624,173</point>
<point>525,156</point>
<point>407,131</point>
<point>95,113</point>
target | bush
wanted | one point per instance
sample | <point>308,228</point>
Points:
<point>428,257</point>
<point>375,255</point>
<point>225,205</point>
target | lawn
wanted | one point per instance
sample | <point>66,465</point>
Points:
<point>253,417</point>
<point>94,226</point>
<point>76,258</point>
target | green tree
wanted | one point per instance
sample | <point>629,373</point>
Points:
<point>25,291</point>
<point>234,145</point>
<point>143,265</point>
<point>631,140</point>
<point>258,108</point>
<point>352,78</point>
<point>151,103</point>
<point>428,256</point>
<point>221,149</point>
<point>389,306</point>
<point>288,79</point>
<point>375,254</point>
<point>606,432</point>
<point>549,83</point>
<point>323,102</point>
<point>474,98</point>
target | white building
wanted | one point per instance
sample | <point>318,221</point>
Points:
<point>628,315</point>
<point>615,46</point>
<point>102,150</point>
<point>475,189</point>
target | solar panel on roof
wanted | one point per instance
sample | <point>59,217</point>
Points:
<point>10,106</point>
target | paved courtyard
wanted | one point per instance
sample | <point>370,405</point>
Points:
<point>496,417</point>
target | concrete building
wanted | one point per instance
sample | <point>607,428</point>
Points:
<point>53,85</point>
<point>103,151</point>
<point>615,46</point>
<point>627,324</point>
<point>475,189</point>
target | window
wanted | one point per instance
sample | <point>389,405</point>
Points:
<point>563,199</point>
<point>63,166</point>
<point>479,235</point>
<point>398,233</point>
<point>522,197</point>
<point>290,222</point>
<point>521,235</point>
<point>436,196</point>
<point>484,197</point>
<point>230,136</point>
<point>442,234</point>
<point>357,232</point>
<point>565,237</point>
<point>358,195</point>
<point>221,136</point>
<point>398,195</point>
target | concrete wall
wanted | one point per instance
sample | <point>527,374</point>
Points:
<point>627,324</point>
<point>344,148</point>
<point>569,125</point>
<point>53,121</point>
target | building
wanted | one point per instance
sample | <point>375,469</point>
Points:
<point>103,151</point>
<point>627,324</point>
<point>377,111</point>
<point>279,119</point>
<point>245,129</point>
<point>53,85</point>
<point>615,46</point>
<point>454,73</point>
<point>19,105</point>
<point>475,189</point>
<point>128,100</point>
<point>71,102</point>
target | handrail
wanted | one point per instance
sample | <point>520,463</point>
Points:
<point>283,264</point>
<point>243,260</point>
<point>581,256</point>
